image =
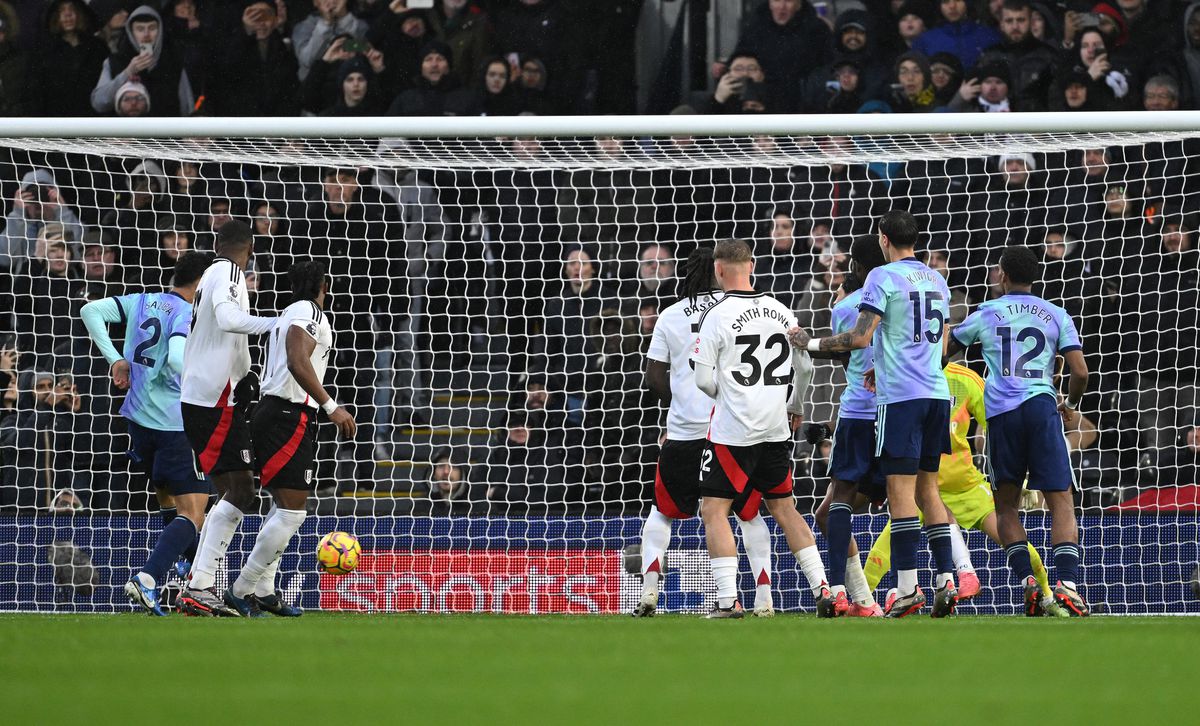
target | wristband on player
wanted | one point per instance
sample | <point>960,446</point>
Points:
<point>1073,405</point>
<point>814,345</point>
<point>329,406</point>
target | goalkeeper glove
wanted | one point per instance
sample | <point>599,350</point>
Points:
<point>816,433</point>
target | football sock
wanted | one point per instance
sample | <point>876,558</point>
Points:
<point>1066,563</point>
<point>756,538</point>
<point>266,584</point>
<point>906,535</point>
<point>958,546</point>
<point>856,582</point>
<point>656,537</point>
<point>943,553</point>
<point>1039,571</point>
<point>272,540</point>
<point>724,571</point>
<point>879,559</point>
<point>220,527</point>
<point>838,526</point>
<point>168,515</point>
<point>1017,554</point>
<point>814,570</point>
<point>171,543</point>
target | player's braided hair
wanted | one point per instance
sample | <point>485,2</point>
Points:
<point>306,278</point>
<point>699,277</point>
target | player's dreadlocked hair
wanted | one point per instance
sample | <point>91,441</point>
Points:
<point>306,278</point>
<point>699,277</point>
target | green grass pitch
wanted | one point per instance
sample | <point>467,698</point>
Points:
<point>343,669</point>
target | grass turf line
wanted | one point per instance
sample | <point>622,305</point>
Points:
<point>333,669</point>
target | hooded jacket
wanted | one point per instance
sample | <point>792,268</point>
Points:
<point>427,99</point>
<point>19,237</point>
<point>787,53</point>
<point>873,76</point>
<point>166,80</point>
<point>478,101</point>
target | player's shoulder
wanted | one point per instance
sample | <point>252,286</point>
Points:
<point>717,309</point>
<point>850,302</point>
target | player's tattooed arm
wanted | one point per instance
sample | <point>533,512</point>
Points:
<point>857,337</point>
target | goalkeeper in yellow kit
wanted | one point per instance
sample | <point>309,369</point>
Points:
<point>964,489</point>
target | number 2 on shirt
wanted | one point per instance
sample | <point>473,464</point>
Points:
<point>923,311</point>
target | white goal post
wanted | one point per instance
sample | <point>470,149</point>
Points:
<point>495,283</point>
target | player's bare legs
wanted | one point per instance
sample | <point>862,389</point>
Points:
<point>722,553</point>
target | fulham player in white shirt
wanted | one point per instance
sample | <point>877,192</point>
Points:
<point>216,389</point>
<point>743,359</point>
<point>676,485</point>
<point>284,428</point>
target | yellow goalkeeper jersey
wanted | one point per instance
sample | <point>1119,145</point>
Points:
<point>958,472</point>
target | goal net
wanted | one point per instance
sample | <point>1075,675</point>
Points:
<point>492,300</point>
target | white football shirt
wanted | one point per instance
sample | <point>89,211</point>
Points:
<point>277,379</point>
<point>215,360</point>
<point>744,338</point>
<point>671,343</point>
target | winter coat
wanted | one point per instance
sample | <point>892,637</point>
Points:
<point>965,39</point>
<point>168,83</point>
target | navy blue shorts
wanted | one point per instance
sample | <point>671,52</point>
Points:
<point>853,459</point>
<point>1028,442</point>
<point>166,457</point>
<point>912,435</point>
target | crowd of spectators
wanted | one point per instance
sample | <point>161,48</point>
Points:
<point>544,283</point>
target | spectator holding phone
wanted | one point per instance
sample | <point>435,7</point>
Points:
<point>312,36</point>
<point>145,55</point>
<point>1108,87</point>
<point>38,202</point>
<point>255,72</point>
<point>743,71</point>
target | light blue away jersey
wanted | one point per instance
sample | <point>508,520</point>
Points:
<point>913,301</point>
<point>1021,334</point>
<point>151,320</point>
<point>857,401</point>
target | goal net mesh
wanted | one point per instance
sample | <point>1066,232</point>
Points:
<point>492,301</point>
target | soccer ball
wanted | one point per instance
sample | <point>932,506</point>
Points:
<point>338,553</point>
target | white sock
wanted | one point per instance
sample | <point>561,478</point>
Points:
<point>219,528</point>
<point>943,578</point>
<point>272,540</point>
<point>724,571</point>
<point>656,537</point>
<point>906,582</point>
<point>958,545</point>
<point>756,538</point>
<point>856,582</point>
<point>266,583</point>
<point>1070,585</point>
<point>814,569</point>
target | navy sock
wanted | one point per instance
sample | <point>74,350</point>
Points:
<point>1017,554</point>
<point>939,544</point>
<point>839,542</point>
<point>189,554</point>
<point>177,536</point>
<point>1066,562</point>
<point>906,535</point>
<point>168,515</point>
